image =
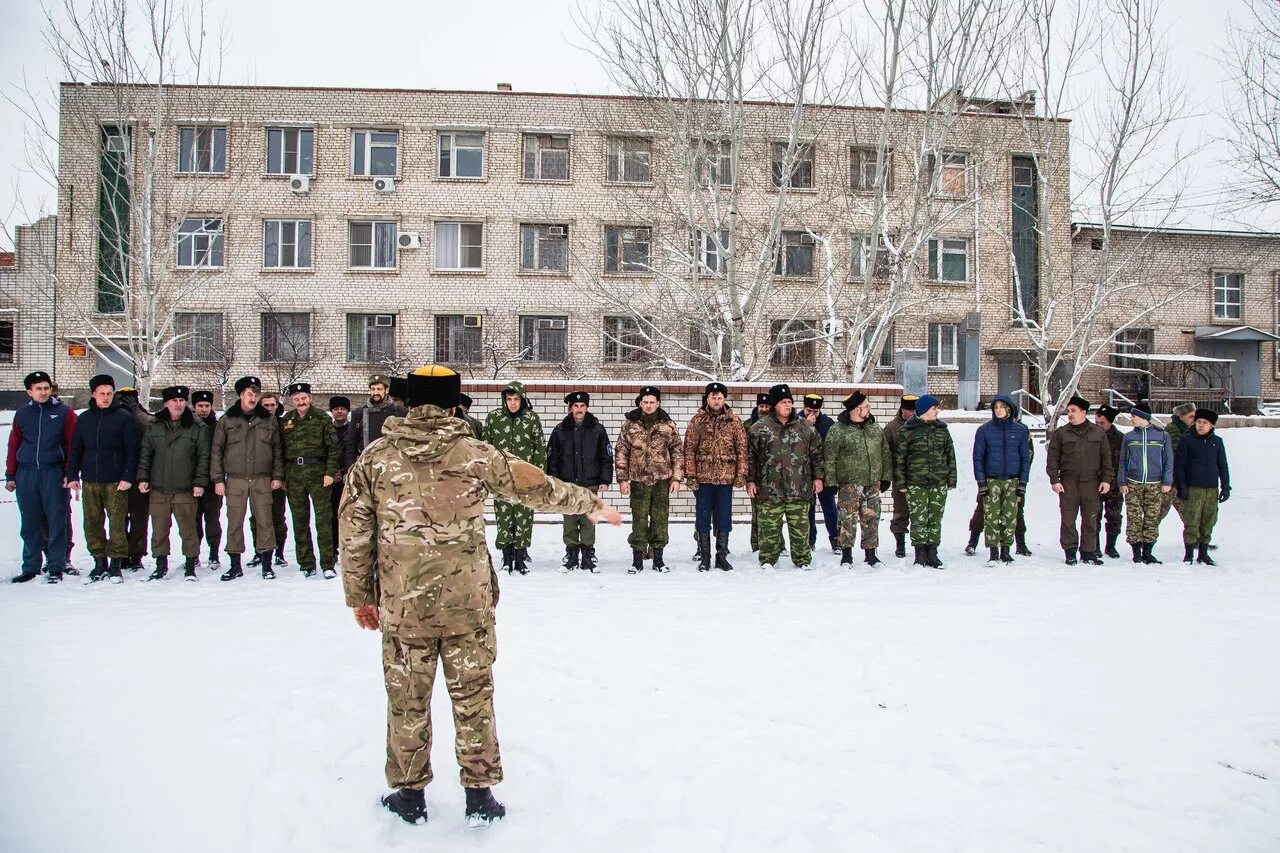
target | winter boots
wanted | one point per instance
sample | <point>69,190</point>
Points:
<point>256,561</point>
<point>704,551</point>
<point>99,570</point>
<point>1148,557</point>
<point>901,545</point>
<point>972,547</point>
<point>1189,555</point>
<point>213,559</point>
<point>1090,558</point>
<point>637,561</point>
<point>409,803</point>
<point>589,558</point>
<point>869,557</point>
<point>722,551</point>
<point>482,808</point>
<point>935,562</point>
<point>1005,556</point>
<point>1111,546</point>
<point>235,571</point>
<point>922,555</point>
<point>572,554</point>
<point>280,560</point>
<point>162,569</point>
<point>1203,557</point>
<point>508,557</point>
<point>1071,556</point>
<point>24,577</point>
<point>1139,552</point>
<point>115,569</point>
<point>835,544</point>
<point>521,562</point>
<point>189,569</point>
<point>658,564</point>
<point>1020,540</point>
<point>993,558</point>
<point>846,556</point>
<point>264,559</point>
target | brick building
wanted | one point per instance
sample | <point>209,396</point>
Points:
<point>28,328</point>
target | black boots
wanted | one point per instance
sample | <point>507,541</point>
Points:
<point>1005,556</point>
<point>235,571</point>
<point>1089,558</point>
<point>24,577</point>
<point>521,561</point>
<point>935,562</point>
<point>994,556</point>
<point>704,551</point>
<point>835,544</point>
<point>99,570</point>
<point>115,569</point>
<point>869,557</point>
<point>589,558</point>
<point>722,551</point>
<point>508,557</point>
<point>1111,546</point>
<point>1139,552</point>
<point>658,564</point>
<point>264,559</point>
<point>256,561</point>
<point>572,553</point>
<point>1189,555</point>
<point>972,547</point>
<point>901,549</point>
<point>1071,556</point>
<point>1020,540</point>
<point>1203,557</point>
<point>162,569</point>
<point>280,561</point>
<point>637,561</point>
<point>482,808</point>
<point>213,559</point>
<point>846,556</point>
<point>409,803</point>
<point>189,569</point>
<point>1148,557</point>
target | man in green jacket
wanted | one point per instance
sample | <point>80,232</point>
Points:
<point>858,468</point>
<point>516,429</point>
<point>784,471</point>
<point>173,468</point>
<point>311,463</point>
<point>924,469</point>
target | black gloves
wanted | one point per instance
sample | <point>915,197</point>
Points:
<point>1022,488</point>
<point>982,490</point>
<point>1224,494</point>
<point>1182,493</point>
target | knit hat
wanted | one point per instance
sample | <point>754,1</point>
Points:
<point>1207,415</point>
<point>925,403</point>
<point>399,390</point>
<point>649,391</point>
<point>908,402</point>
<point>339,403</point>
<point>101,379</point>
<point>854,400</point>
<point>246,382</point>
<point>1141,410</point>
<point>432,385</point>
<point>380,379</point>
<point>1108,412</point>
<point>298,388</point>
<point>813,401</point>
<point>577,397</point>
<point>201,396</point>
<point>1079,402</point>
<point>780,392</point>
<point>175,392</point>
<point>1184,408</point>
<point>763,399</point>
<point>464,401</point>
<point>34,377</point>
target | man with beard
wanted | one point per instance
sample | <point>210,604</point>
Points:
<point>209,504</point>
<point>367,421</point>
<point>579,452</point>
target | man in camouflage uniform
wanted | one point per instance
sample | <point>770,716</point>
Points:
<point>311,460</point>
<point>139,503</point>
<point>715,463</point>
<point>784,471</point>
<point>901,521</point>
<point>208,505</point>
<point>173,468</point>
<point>516,429</point>
<point>1182,422</point>
<point>1145,475</point>
<point>415,565</point>
<point>649,463</point>
<point>858,468</point>
<point>924,469</point>
<point>1113,500</point>
<point>762,409</point>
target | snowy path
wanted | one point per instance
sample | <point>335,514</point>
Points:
<point>1032,708</point>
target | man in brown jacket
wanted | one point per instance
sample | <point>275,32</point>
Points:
<point>648,461</point>
<point>1080,471</point>
<point>901,522</point>
<point>246,467</point>
<point>715,463</point>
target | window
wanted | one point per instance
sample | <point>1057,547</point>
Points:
<point>863,162</point>
<point>286,337</point>
<point>942,345</point>
<point>1228,288</point>
<point>544,248</point>
<point>199,338</point>
<point>200,244</point>
<point>703,342</point>
<point>795,254</point>
<point>801,174</point>
<point>461,155</point>
<point>290,151</point>
<point>624,341</point>
<point>627,249</point>
<point>6,342</point>
<point>458,338</point>
<point>459,245</point>
<point>286,244</point>
<point>202,149</point>
<point>949,260</point>
<point>1133,342</point>
<point>374,152</point>
<point>709,249</point>
<point>371,338</point>
<point>714,160</point>
<point>795,343</point>
<point>544,339</point>
<point>546,157</point>
<point>114,213</point>
<point>949,173</point>
<point>884,358</point>
<point>860,254</point>
<point>628,160</point>
<point>1096,244</point>
<point>372,245</point>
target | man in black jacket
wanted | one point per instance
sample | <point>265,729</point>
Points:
<point>1202,481</point>
<point>340,411</point>
<point>367,421</point>
<point>209,504</point>
<point>827,497</point>
<point>579,452</point>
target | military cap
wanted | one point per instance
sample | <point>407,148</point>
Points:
<point>202,396</point>
<point>398,388</point>
<point>1184,409</point>
<point>1207,415</point>
<point>780,392</point>
<point>464,401</point>
<point>1079,402</point>
<point>380,379</point>
<point>577,397</point>
<point>715,388</point>
<point>175,392</point>
<point>127,391</point>
<point>763,399</point>
<point>297,388</point>
<point>432,385</point>
<point>1108,412</point>
<point>339,403</point>
<point>649,391</point>
<point>34,377</point>
<point>246,382</point>
<point>813,401</point>
<point>102,379</point>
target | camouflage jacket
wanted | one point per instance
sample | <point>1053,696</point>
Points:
<point>856,454</point>
<point>1176,429</point>
<point>715,449</point>
<point>647,453</point>
<point>175,457</point>
<point>783,460</point>
<point>926,456</point>
<point>891,432</point>
<point>246,445</point>
<point>311,436</point>
<point>411,523</point>
<point>519,434</point>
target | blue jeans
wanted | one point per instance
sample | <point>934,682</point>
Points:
<point>826,497</point>
<point>713,500</point>
<point>42,503</point>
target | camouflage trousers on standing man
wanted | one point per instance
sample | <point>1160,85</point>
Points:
<point>515,524</point>
<point>305,489</point>
<point>925,504</point>
<point>650,509</point>
<point>859,507</point>
<point>1000,512</point>
<point>771,515</point>
<point>1146,505</point>
<point>409,669</point>
<point>104,502</point>
<point>1199,515</point>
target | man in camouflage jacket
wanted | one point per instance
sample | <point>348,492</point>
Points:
<point>312,460</point>
<point>785,469</point>
<point>414,563</point>
<point>648,460</point>
<point>924,469</point>
<point>858,468</point>
<point>516,428</point>
<point>715,463</point>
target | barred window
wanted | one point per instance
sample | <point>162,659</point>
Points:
<point>544,339</point>
<point>794,343</point>
<point>459,338</point>
<point>286,337</point>
<point>942,345</point>
<point>629,160</point>
<point>624,341</point>
<point>371,338</point>
<point>546,157</point>
<point>626,249</point>
<point>199,337</point>
<point>544,248</point>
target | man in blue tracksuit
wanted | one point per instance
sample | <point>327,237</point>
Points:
<point>1145,476</point>
<point>1001,468</point>
<point>36,468</point>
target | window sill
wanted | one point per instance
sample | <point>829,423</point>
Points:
<point>375,270</point>
<point>936,282</point>
<point>201,175</point>
<point>948,197</point>
<point>1235,321</point>
<point>396,177</point>
<point>544,181</point>
<point>288,270</point>
<point>205,270</point>
<point>544,273</point>
<point>461,179</point>
<point>629,274</point>
<point>284,176</point>
<point>947,369</point>
<point>876,278</point>
<point>437,271</point>
<point>812,190</point>
<point>781,277</point>
<point>635,184</point>
<point>523,363</point>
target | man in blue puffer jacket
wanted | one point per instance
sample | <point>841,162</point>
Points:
<point>1001,467</point>
<point>1145,476</point>
<point>104,456</point>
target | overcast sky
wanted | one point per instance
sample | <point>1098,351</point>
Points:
<point>475,45</point>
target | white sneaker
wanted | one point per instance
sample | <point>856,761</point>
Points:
<point>329,574</point>
<point>766,567</point>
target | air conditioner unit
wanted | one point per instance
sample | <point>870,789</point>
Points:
<point>409,240</point>
<point>384,321</point>
<point>384,185</point>
<point>556,231</point>
<point>549,323</point>
<point>472,321</point>
<point>300,183</point>
<point>806,239</point>
<point>832,328</point>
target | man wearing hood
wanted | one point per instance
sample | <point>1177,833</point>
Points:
<point>1203,481</point>
<point>579,452</point>
<point>516,429</point>
<point>1001,468</point>
<point>859,467</point>
<point>173,468</point>
<point>104,459</point>
<point>924,470</point>
<point>208,505</point>
<point>415,565</point>
<point>715,463</point>
<point>901,521</point>
<point>246,466</point>
<point>978,522</point>
<point>822,422</point>
<point>649,460</point>
<point>784,471</point>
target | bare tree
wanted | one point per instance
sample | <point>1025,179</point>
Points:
<point>293,342</point>
<point>211,359</point>
<point>1253,114</point>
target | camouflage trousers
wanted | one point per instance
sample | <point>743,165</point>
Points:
<point>1146,506</point>
<point>770,516</point>
<point>1199,515</point>
<point>104,502</point>
<point>859,507</point>
<point>409,669</point>
<point>925,504</point>
<point>1000,512</point>
<point>578,530</point>
<point>305,488</point>
<point>165,507</point>
<point>650,509</point>
<point>515,524</point>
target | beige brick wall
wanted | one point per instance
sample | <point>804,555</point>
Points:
<point>26,298</point>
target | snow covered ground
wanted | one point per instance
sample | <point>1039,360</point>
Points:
<point>1037,707</point>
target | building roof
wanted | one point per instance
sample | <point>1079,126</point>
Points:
<point>1093,227</point>
<point>1233,333</point>
<point>1179,358</point>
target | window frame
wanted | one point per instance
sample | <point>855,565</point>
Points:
<point>279,266</point>
<point>535,354</point>
<point>194,129</point>
<point>858,166</point>
<point>1224,317</point>
<point>860,253</point>
<point>458,226</point>
<point>616,155</point>
<point>368,321</point>
<point>779,349</point>
<point>284,131</point>
<point>781,268</point>
<point>621,265</point>
<point>935,332</point>
<point>9,329</point>
<point>443,328</point>
<point>703,249</point>
<point>615,339</point>
<point>537,138</point>
<point>453,135</point>
<point>778,155</point>
<point>539,229</point>
<point>277,358</point>
<point>216,243</point>
<point>938,250</point>
<point>374,226</point>
<point>722,167</point>
<point>887,350</point>
<point>938,167</point>
<point>368,148</point>
<point>197,335</point>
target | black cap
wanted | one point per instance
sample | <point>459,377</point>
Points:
<point>1079,402</point>
<point>649,391</point>
<point>577,397</point>
<point>1207,415</point>
<point>297,388</point>
<point>202,396</point>
<point>854,400</point>
<point>102,379</point>
<point>715,388</point>
<point>1108,412</point>
<point>34,377</point>
<point>246,382</point>
<point>908,402</point>
<point>175,392</point>
<point>339,403</point>
<point>780,392</point>
<point>813,401</point>
<point>464,401</point>
<point>431,385</point>
<point>399,388</point>
<point>763,399</point>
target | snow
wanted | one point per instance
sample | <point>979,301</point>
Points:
<point>1037,707</point>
